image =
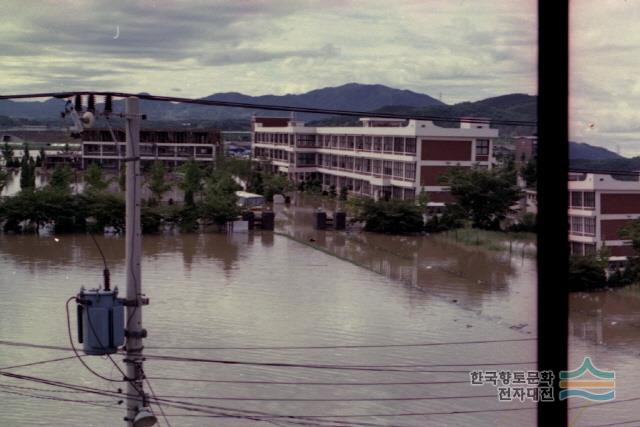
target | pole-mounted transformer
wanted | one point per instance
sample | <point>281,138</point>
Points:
<point>100,321</point>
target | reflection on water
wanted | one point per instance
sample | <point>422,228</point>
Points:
<point>261,289</point>
<point>606,327</point>
<point>498,285</point>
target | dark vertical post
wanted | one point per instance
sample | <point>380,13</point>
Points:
<point>553,253</point>
<point>250,218</point>
<point>268,220</point>
<point>321,220</point>
<point>340,220</point>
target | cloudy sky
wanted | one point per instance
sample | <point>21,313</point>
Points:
<point>605,70</point>
<point>457,50</point>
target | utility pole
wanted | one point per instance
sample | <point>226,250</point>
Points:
<point>136,399</point>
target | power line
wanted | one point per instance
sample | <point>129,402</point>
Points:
<point>313,383</point>
<point>385,368</point>
<point>201,408</point>
<point>346,399</point>
<point>355,346</point>
<point>59,399</point>
<point>41,362</point>
<point>322,347</point>
<point>268,107</point>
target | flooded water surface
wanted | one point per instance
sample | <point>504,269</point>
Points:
<point>330,328</point>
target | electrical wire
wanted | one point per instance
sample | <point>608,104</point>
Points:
<point>332,347</point>
<point>41,362</point>
<point>153,394</point>
<point>322,347</point>
<point>340,399</point>
<point>307,383</point>
<point>269,107</point>
<point>204,408</point>
<point>59,399</point>
<point>384,368</point>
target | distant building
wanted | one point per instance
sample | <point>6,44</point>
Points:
<point>526,149</point>
<point>171,146</point>
<point>381,158</point>
<point>600,205</point>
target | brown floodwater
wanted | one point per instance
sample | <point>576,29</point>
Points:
<point>297,287</point>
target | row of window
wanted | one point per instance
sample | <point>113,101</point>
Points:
<point>581,249</point>
<point>582,225</point>
<point>147,150</point>
<point>386,168</point>
<point>381,144</point>
<point>582,199</point>
<point>363,187</point>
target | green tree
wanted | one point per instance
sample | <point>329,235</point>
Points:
<point>61,178</point>
<point>192,181</point>
<point>93,179</point>
<point>107,209</point>
<point>485,196</point>
<point>158,184</point>
<point>7,153</point>
<point>631,231</point>
<point>344,192</point>
<point>389,216</point>
<point>587,272</point>
<point>27,171</point>
<point>220,202</point>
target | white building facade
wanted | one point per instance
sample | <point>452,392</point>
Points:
<point>382,158</point>
<point>600,205</point>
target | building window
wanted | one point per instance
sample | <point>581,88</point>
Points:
<point>359,144</point>
<point>576,224</point>
<point>589,200</point>
<point>398,145</point>
<point>367,143</point>
<point>576,199</point>
<point>387,168</point>
<point>377,167</point>
<point>589,248</point>
<point>482,147</point>
<point>377,143</point>
<point>410,171</point>
<point>398,170</point>
<point>589,226</point>
<point>410,145</point>
<point>577,248</point>
<point>388,144</point>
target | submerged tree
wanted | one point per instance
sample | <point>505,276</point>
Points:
<point>7,153</point>
<point>485,196</point>
<point>61,178</point>
<point>192,181</point>
<point>27,171</point>
<point>93,179</point>
<point>158,184</point>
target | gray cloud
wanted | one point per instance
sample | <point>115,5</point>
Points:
<point>466,51</point>
<point>251,56</point>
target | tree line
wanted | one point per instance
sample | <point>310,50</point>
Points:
<point>209,197</point>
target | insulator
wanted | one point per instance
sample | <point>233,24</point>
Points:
<point>91,103</point>
<point>108,104</point>
<point>78,103</point>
